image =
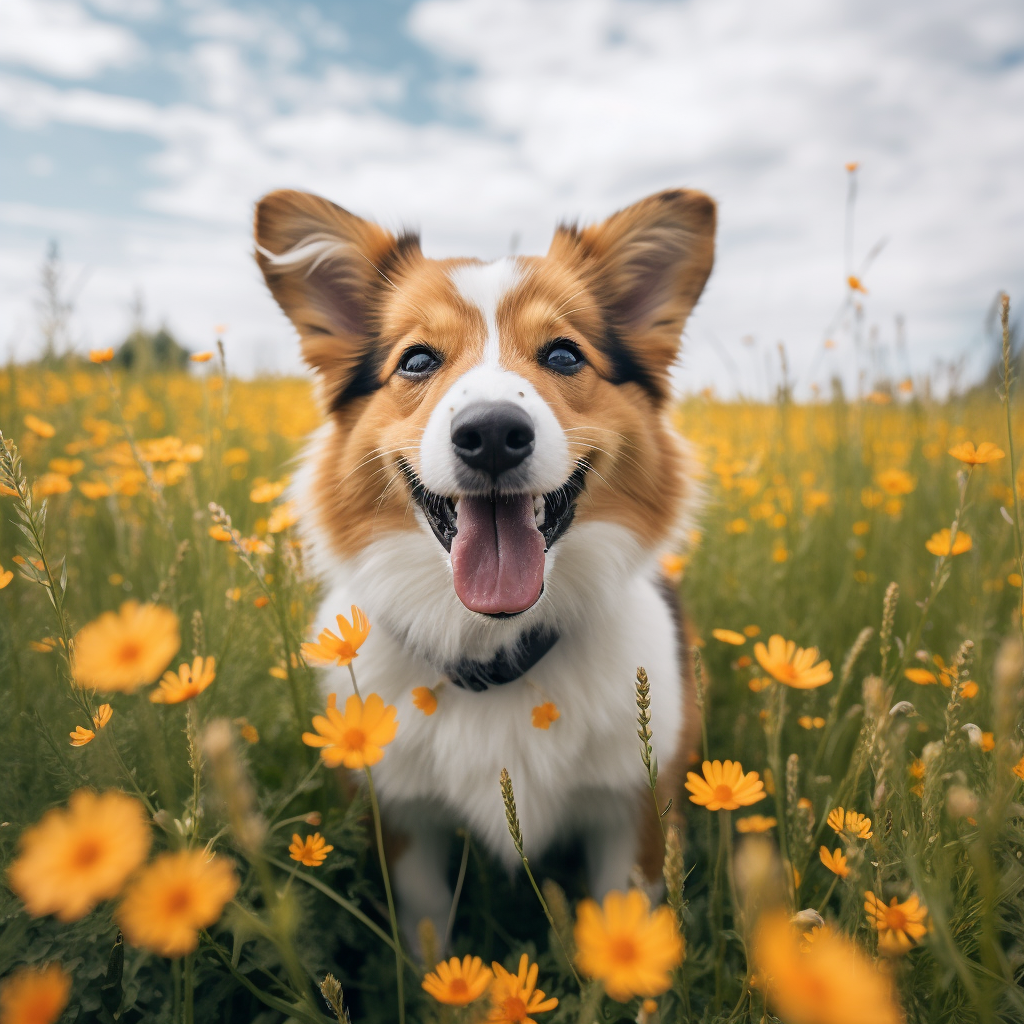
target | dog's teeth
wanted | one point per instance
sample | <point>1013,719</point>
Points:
<point>538,510</point>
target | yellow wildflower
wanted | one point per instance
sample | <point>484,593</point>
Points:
<point>335,650</point>
<point>921,676</point>
<point>39,427</point>
<point>121,651</point>
<point>425,699</point>
<point>938,543</point>
<point>81,736</point>
<point>627,946</point>
<point>794,666</point>
<point>172,898</point>
<point>73,859</point>
<point>458,982</point>
<point>724,786</point>
<point>100,355</point>
<point>5,577</point>
<point>267,491</point>
<point>186,683</point>
<point>755,823</point>
<point>985,452</point>
<point>201,357</point>
<point>895,483</point>
<point>102,716</point>
<point>282,517</point>
<point>94,489</point>
<point>311,851</point>
<point>831,983</point>
<point>729,636</point>
<point>544,714</point>
<point>672,566</point>
<point>899,925</point>
<point>355,738</point>
<point>835,862</point>
<point>35,995</point>
<point>50,484</point>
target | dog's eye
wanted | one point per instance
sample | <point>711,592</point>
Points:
<point>418,362</point>
<point>562,356</point>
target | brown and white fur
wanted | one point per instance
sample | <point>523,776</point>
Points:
<point>616,295</point>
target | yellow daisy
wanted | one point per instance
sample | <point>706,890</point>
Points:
<point>355,738</point>
<point>124,650</point>
<point>311,851</point>
<point>340,650</point>
<point>514,997</point>
<point>724,786</point>
<point>172,898</point>
<point>794,666</point>
<point>458,982</point>
<point>186,683</point>
<point>73,859</point>
<point>899,925</point>
<point>627,946</point>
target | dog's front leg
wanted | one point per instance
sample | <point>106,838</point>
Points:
<point>611,843</point>
<point>419,873</point>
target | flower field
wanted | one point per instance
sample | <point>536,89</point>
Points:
<point>178,843</point>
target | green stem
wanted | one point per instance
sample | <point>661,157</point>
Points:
<point>455,897</point>
<point>352,673</point>
<point>189,1016</point>
<point>718,912</point>
<point>551,920</point>
<point>176,982</point>
<point>779,779</point>
<point>828,895</point>
<point>345,904</point>
<point>282,1006</point>
<point>399,972</point>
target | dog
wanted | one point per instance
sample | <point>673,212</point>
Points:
<point>494,482</point>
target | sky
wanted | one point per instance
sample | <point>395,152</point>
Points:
<point>139,133</point>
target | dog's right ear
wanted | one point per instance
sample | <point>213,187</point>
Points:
<point>330,272</point>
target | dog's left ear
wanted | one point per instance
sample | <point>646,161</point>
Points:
<point>646,265</point>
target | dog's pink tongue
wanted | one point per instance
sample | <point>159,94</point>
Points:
<point>498,554</point>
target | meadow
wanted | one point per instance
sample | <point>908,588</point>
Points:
<point>173,851</point>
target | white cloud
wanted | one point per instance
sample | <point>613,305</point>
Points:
<point>59,37</point>
<point>564,108</point>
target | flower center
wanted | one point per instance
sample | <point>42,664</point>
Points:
<point>129,653</point>
<point>354,739</point>
<point>178,900</point>
<point>458,988</point>
<point>514,1009</point>
<point>623,950</point>
<point>895,919</point>
<point>785,672</point>
<point>723,792</point>
<point>87,852</point>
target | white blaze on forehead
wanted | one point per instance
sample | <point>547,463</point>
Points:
<point>485,285</point>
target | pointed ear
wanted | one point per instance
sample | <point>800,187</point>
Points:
<point>646,266</point>
<point>330,272</point>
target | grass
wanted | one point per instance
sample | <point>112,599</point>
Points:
<point>802,532</point>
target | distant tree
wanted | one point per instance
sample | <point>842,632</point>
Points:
<point>144,350</point>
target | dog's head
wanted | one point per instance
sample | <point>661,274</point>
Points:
<point>505,402</point>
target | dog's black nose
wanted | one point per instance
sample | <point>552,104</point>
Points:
<point>492,436</point>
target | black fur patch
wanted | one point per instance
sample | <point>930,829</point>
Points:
<point>626,368</point>
<point>365,380</point>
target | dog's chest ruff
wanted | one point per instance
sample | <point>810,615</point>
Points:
<point>609,617</point>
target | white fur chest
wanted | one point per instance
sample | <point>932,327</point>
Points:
<point>601,597</point>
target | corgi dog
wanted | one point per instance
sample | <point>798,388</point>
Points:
<point>493,484</point>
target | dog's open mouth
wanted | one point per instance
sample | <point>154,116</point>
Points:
<point>498,542</point>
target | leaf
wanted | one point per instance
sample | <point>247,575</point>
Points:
<point>64,575</point>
